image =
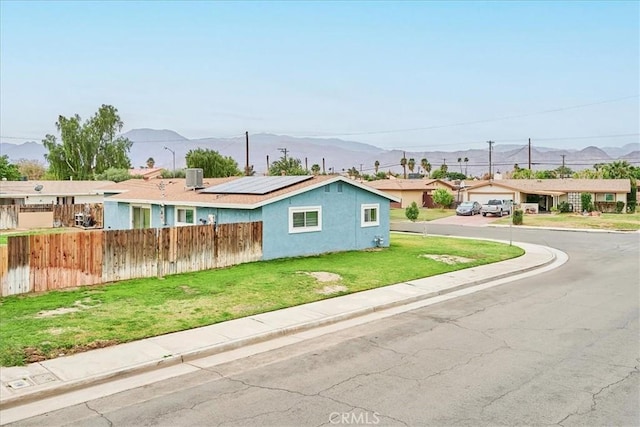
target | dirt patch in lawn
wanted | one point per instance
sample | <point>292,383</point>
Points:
<point>83,304</point>
<point>326,277</point>
<point>33,354</point>
<point>447,259</point>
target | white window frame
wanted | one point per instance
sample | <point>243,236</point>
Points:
<point>363,216</point>
<point>184,208</point>
<point>304,209</point>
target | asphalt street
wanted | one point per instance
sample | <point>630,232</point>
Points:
<point>559,348</point>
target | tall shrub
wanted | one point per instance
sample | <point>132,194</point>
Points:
<point>585,198</point>
<point>518,216</point>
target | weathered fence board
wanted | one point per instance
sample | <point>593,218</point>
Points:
<point>9,217</point>
<point>17,280</point>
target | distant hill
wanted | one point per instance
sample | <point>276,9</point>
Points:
<point>338,155</point>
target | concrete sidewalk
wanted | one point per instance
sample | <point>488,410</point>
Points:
<point>21,385</point>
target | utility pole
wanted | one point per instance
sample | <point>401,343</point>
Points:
<point>490,151</point>
<point>323,170</point>
<point>246,167</point>
<point>529,153</point>
<point>562,170</point>
<point>284,150</point>
<point>267,164</point>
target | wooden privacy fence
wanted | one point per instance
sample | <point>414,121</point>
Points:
<point>9,216</point>
<point>39,263</point>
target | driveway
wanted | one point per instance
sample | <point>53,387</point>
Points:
<point>474,221</point>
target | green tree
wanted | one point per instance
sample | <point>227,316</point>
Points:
<point>460,163</point>
<point>288,166</point>
<point>412,212</point>
<point>151,162</point>
<point>32,169</point>
<point>523,174</point>
<point>212,163</point>
<point>617,170</point>
<point>563,171</point>
<point>8,171</point>
<point>315,169</point>
<point>444,168</point>
<point>442,197</point>
<point>466,161</point>
<point>376,166</point>
<point>439,174</point>
<point>427,168</point>
<point>453,176</point>
<point>87,148</point>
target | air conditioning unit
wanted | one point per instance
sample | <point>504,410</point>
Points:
<point>194,178</point>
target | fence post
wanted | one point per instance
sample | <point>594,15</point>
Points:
<point>159,253</point>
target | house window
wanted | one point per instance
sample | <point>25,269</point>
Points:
<point>140,217</point>
<point>305,219</point>
<point>609,197</point>
<point>369,215</point>
<point>185,216</point>
<point>339,187</point>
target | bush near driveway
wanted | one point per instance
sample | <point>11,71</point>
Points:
<point>36,327</point>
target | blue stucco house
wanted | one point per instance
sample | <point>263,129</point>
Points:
<point>301,215</point>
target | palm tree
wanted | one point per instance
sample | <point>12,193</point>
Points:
<point>403,163</point>
<point>460,163</point>
<point>427,168</point>
<point>466,160</point>
<point>150,162</point>
<point>376,165</point>
<point>412,164</point>
<point>423,163</point>
<point>315,169</point>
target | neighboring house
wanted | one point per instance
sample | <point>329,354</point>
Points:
<point>301,215</point>
<point>146,173</point>
<point>543,194</point>
<point>412,190</point>
<point>51,192</point>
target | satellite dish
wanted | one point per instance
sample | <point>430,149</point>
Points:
<point>38,187</point>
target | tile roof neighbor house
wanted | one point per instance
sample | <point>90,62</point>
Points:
<point>543,194</point>
<point>301,215</point>
<point>412,190</point>
<point>146,173</point>
<point>51,192</point>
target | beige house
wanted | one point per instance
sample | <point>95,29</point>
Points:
<point>542,194</point>
<point>412,190</point>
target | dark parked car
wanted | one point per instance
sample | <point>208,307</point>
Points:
<point>468,208</point>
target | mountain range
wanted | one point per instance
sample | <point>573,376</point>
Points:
<point>333,154</point>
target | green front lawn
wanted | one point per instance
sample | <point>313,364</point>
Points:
<point>37,327</point>
<point>607,221</point>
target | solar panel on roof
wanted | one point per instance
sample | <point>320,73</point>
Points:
<point>256,184</point>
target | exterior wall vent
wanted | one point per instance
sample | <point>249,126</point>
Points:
<point>194,178</point>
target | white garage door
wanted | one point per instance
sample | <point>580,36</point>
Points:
<point>484,198</point>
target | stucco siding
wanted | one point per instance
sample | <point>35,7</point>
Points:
<point>341,228</point>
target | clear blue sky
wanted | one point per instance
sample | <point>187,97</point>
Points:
<point>406,75</point>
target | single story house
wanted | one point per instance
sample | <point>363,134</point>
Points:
<point>301,215</point>
<point>412,190</point>
<point>542,194</point>
<point>51,192</point>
